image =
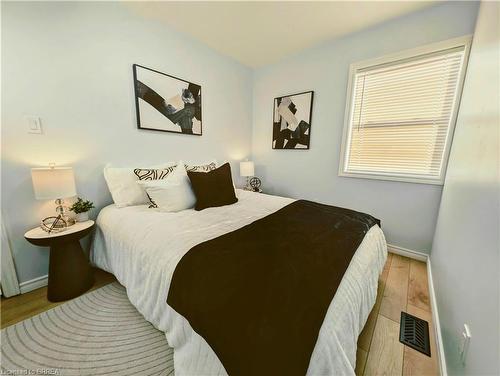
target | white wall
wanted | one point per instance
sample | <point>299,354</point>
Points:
<point>71,64</point>
<point>408,211</point>
<point>465,252</point>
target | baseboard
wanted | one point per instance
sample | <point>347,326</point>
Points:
<point>416,255</point>
<point>435,320</point>
<point>33,284</point>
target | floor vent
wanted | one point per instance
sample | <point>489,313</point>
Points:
<point>414,332</point>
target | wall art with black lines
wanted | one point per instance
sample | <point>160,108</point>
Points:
<point>166,103</point>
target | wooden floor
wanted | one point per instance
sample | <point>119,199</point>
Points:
<point>21,307</point>
<point>402,287</point>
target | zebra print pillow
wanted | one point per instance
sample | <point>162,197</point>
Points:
<point>210,166</point>
<point>148,174</point>
<point>153,173</point>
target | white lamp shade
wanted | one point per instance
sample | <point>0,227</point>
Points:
<point>53,183</point>
<point>247,168</point>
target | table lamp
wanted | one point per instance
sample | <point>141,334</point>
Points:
<point>247,170</point>
<point>55,183</point>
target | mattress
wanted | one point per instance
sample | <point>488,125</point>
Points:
<point>142,246</point>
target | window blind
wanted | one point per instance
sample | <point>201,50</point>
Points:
<point>401,114</point>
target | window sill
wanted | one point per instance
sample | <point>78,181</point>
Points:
<point>403,179</point>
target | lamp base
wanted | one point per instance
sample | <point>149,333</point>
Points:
<point>247,186</point>
<point>70,221</point>
<point>62,210</point>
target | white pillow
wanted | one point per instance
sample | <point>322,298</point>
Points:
<point>122,184</point>
<point>172,194</point>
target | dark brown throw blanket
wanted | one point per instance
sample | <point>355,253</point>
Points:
<point>259,295</point>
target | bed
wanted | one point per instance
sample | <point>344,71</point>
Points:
<point>142,246</point>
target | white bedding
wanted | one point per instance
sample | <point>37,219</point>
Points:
<point>142,246</point>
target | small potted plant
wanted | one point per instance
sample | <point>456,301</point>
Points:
<point>81,209</point>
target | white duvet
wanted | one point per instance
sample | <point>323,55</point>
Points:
<point>142,246</point>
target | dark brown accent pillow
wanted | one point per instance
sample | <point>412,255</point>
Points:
<point>213,188</point>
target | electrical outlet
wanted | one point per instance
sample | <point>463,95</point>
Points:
<point>464,343</point>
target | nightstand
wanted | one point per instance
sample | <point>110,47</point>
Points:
<point>70,273</point>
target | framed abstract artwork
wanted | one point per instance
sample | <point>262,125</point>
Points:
<point>166,103</point>
<point>292,121</point>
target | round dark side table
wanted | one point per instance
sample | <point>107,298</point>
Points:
<point>70,273</point>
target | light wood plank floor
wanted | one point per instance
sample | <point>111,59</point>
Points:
<point>402,287</point>
<point>22,307</point>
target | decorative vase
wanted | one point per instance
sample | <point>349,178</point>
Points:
<point>82,217</point>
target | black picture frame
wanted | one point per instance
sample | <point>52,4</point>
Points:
<point>147,100</point>
<point>300,137</point>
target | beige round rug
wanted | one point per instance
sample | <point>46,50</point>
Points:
<point>99,333</point>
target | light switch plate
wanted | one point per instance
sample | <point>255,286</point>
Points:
<point>34,124</point>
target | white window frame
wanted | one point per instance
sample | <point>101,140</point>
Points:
<point>465,42</point>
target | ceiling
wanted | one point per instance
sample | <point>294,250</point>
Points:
<point>261,33</point>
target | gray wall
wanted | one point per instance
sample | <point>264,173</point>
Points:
<point>408,211</point>
<point>71,64</point>
<point>465,252</point>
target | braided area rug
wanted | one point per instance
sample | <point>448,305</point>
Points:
<point>99,333</point>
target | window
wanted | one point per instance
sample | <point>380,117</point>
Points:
<point>401,112</point>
